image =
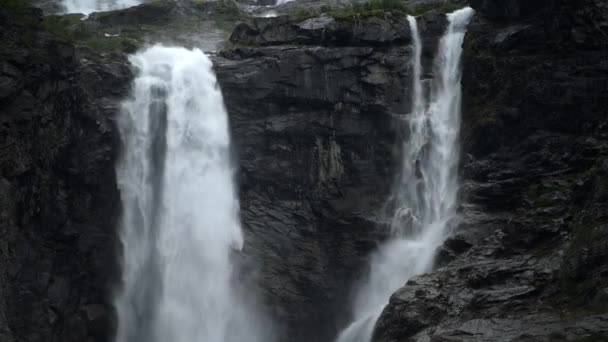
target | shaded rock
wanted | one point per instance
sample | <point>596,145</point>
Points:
<point>600,300</point>
<point>511,9</point>
<point>57,184</point>
<point>144,14</point>
<point>365,30</point>
<point>533,210</point>
<point>8,86</point>
<point>100,323</point>
<point>315,155</point>
<point>415,307</point>
<point>451,248</point>
<point>530,328</point>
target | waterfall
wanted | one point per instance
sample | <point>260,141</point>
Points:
<point>423,206</point>
<point>180,224</point>
<point>89,6</point>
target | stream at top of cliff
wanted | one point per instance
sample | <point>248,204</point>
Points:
<point>180,225</point>
<point>422,208</point>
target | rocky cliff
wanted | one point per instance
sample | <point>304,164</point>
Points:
<point>529,261</point>
<point>58,195</point>
<point>315,104</point>
<point>313,112</point>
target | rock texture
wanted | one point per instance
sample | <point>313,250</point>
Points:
<point>315,127</point>
<point>370,30</point>
<point>58,195</point>
<point>316,106</point>
<point>529,261</point>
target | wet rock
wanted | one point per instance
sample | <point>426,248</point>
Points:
<point>315,154</point>
<point>533,209</point>
<point>511,9</point>
<point>600,300</point>
<point>452,248</point>
<point>145,14</point>
<point>530,328</point>
<point>8,86</point>
<point>366,30</point>
<point>57,183</point>
<point>99,322</point>
<point>415,307</point>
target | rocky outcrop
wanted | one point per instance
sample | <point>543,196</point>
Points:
<point>529,261</point>
<point>367,30</point>
<point>49,7</point>
<point>315,128</point>
<point>58,194</point>
<point>315,107</point>
<point>512,9</point>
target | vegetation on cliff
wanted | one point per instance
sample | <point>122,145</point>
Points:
<point>126,30</point>
<point>375,7</point>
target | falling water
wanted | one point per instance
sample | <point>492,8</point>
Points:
<point>424,203</point>
<point>180,222</point>
<point>89,6</point>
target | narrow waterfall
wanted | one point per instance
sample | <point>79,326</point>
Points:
<point>89,6</point>
<point>425,198</point>
<point>180,224</point>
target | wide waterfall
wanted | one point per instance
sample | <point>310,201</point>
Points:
<point>89,6</point>
<point>180,225</point>
<point>423,207</point>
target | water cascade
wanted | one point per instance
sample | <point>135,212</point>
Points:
<point>89,6</point>
<point>423,206</point>
<point>180,225</point>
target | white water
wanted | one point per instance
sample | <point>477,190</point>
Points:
<point>425,200</point>
<point>180,222</point>
<point>89,6</point>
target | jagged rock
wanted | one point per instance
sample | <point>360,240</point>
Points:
<point>157,13</point>
<point>511,9</point>
<point>57,184</point>
<point>314,105</point>
<point>583,22</point>
<point>532,213</point>
<point>316,155</point>
<point>415,307</point>
<point>366,30</point>
<point>452,248</point>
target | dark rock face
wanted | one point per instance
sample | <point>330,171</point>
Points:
<point>144,14</point>
<point>49,7</point>
<point>529,261</point>
<point>315,108</point>
<point>315,131</point>
<point>367,30</point>
<point>511,9</point>
<point>58,195</point>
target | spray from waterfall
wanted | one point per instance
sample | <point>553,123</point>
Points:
<point>89,6</point>
<point>423,206</point>
<point>180,225</point>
